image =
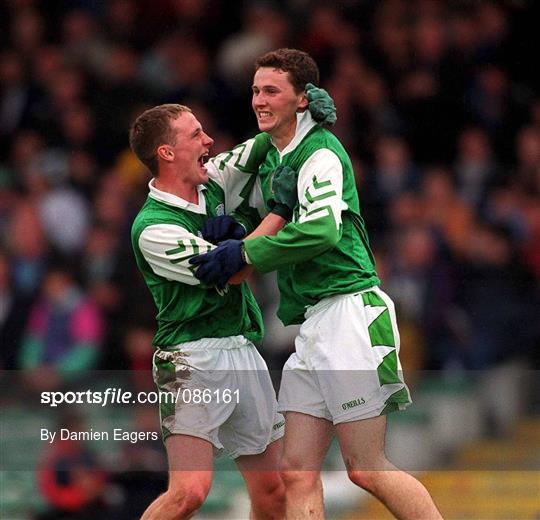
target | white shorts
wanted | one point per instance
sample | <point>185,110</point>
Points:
<point>346,365</point>
<point>219,390</point>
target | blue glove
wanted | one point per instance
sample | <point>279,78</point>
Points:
<point>321,105</point>
<point>217,266</point>
<point>217,229</point>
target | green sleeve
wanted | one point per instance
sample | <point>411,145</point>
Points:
<point>316,226</point>
<point>247,216</point>
<point>294,244</point>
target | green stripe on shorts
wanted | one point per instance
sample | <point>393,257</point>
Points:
<point>388,369</point>
<point>380,329</point>
<point>165,378</point>
<point>396,401</point>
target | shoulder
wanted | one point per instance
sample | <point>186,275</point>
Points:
<point>155,212</point>
<point>320,145</point>
<point>320,137</point>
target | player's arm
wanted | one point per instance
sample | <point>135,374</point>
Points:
<point>317,227</point>
<point>270,225</point>
<point>220,266</point>
<point>235,171</point>
<point>284,198</point>
<point>167,249</point>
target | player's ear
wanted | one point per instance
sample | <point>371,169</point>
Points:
<point>303,102</point>
<point>164,152</point>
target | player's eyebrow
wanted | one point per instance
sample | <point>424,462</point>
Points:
<point>266,87</point>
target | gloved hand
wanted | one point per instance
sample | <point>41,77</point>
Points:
<point>284,191</point>
<point>321,105</point>
<point>217,229</point>
<point>217,266</point>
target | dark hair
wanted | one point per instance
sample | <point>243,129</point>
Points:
<point>300,65</point>
<point>151,129</point>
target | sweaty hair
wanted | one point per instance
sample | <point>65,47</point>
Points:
<point>300,65</point>
<point>151,129</point>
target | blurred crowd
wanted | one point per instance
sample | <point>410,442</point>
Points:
<point>438,106</point>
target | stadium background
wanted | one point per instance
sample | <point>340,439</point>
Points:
<point>438,107</point>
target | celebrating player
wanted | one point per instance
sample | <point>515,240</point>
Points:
<point>203,335</point>
<point>345,375</point>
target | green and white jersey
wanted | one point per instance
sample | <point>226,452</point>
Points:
<point>325,250</point>
<point>166,234</point>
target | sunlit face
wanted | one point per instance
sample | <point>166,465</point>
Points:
<point>275,102</point>
<point>191,148</point>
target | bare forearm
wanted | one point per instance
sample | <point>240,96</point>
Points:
<point>270,225</point>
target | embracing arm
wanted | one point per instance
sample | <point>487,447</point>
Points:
<point>167,249</point>
<point>317,227</point>
<point>271,224</point>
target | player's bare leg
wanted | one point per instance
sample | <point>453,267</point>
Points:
<point>306,442</point>
<point>362,446</point>
<point>190,478</point>
<point>263,482</point>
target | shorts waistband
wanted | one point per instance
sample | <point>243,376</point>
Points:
<point>227,343</point>
<point>326,302</point>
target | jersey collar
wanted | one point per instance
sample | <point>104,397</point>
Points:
<point>173,200</point>
<point>304,123</point>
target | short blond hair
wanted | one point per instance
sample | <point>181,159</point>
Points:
<point>152,129</point>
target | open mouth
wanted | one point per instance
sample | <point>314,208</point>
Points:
<point>202,159</point>
<point>264,115</point>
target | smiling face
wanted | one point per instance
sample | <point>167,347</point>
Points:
<point>189,148</point>
<point>275,104</point>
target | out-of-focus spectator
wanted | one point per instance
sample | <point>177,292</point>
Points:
<point>63,334</point>
<point>498,300</point>
<point>15,95</point>
<point>447,214</point>
<point>475,167</point>
<point>81,38</point>
<point>65,217</point>
<point>493,103</point>
<point>27,30</point>
<point>527,172</point>
<point>70,479</point>
<point>327,34</point>
<point>265,28</point>
<point>393,174</point>
<point>28,247</point>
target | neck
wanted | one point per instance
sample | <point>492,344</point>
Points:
<point>176,186</point>
<point>282,139</point>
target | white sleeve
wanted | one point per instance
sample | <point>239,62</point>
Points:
<point>320,187</point>
<point>167,249</point>
<point>236,171</point>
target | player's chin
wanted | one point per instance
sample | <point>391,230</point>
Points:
<point>265,125</point>
<point>203,176</point>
